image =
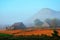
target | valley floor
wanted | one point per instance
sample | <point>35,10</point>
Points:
<point>30,32</point>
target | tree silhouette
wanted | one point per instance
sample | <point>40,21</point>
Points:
<point>55,35</point>
<point>38,23</point>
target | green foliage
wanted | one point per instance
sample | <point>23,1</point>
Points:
<point>5,35</point>
<point>55,35</point>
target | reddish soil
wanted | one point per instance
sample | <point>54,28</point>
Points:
<point>30,32</point>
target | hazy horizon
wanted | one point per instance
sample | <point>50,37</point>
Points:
<point>12,11</point>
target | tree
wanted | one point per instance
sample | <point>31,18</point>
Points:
<point>38,23</point>
<point>55,35</point>
<point>53,22</point>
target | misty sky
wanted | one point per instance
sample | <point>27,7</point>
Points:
<point>12,11</point>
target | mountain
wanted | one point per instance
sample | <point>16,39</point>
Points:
<point>18,25</point>
<point>44,14</point>
<point>38,23</point>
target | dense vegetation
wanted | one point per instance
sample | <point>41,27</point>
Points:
<point>54,36</point>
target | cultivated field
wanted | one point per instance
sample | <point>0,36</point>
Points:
<point>30,32</point>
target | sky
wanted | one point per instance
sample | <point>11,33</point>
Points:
<point>12,11</point>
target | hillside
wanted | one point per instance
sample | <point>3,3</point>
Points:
<point>43,14</point>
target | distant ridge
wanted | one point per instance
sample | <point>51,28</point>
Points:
<point>43,14</point>
<point>17,26</point>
